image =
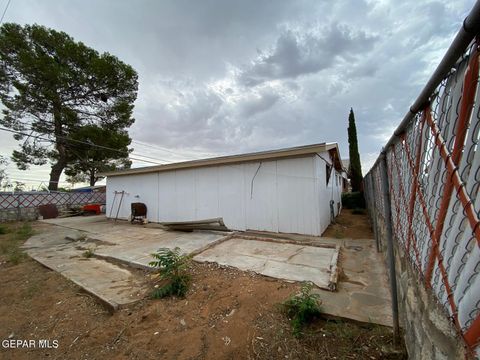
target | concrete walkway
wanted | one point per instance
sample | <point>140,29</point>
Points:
<point>362,291</point>
<point>134,244</point>
<point>62,250</point>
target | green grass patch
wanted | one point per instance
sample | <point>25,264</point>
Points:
<point>12,237</point>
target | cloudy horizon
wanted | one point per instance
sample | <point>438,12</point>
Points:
<point>226,77</point>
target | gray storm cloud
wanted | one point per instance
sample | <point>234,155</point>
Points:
<point>297,53</point>
<point>232,76</point>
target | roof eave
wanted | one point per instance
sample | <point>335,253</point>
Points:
<point>299,151</point>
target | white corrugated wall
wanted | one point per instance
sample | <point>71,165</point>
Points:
<point>327,192</point>
<point>288,195</point>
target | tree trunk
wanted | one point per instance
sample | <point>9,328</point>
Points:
<point>93,178</point>
<point>55,174</point>
<point>58,167</point>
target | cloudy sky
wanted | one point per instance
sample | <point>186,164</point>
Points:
<point>224,77</point>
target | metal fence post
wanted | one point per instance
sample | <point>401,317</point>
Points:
<point>390,251</point>
<point>18,208</point>
<point>371,184</point>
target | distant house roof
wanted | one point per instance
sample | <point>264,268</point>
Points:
<point>291,152</point>
<point>96,188</point>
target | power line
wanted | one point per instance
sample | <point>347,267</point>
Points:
<point>36,180</point>
<point>161,148</point>
<point>92,144</point>
<point>149,157</point>
<point>170,151</point>
<point>4,12</point>
<point>77,141</point>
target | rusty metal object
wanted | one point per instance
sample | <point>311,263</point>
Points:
<point>48,211</point>
<point>139,212</point>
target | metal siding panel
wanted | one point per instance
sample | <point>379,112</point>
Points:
<point>139,188</point>
<point>206,193</point>
<point>185,194</point>
<point>324,193</point>
<point>296,200</point>
<point>337,192</point>
<point>316,194</point>
<point>167,203</point>
<point>287,195</point>
<point>261,196</point>
<point>231,200</point>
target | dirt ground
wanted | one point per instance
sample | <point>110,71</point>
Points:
<point>350,225</point>
<point>227,314</point>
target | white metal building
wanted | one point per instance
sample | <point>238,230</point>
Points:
<point>287,190</point>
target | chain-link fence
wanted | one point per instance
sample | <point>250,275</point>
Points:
<point>35,199</point>
<point>433,179</point>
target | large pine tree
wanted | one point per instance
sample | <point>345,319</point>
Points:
<point>355,170</point>
<point>51,86</point>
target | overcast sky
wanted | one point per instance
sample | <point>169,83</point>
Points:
<point>225,77</point>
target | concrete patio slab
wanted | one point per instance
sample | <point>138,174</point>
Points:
<point>278,260</point>
<point>134,244</point>
<point>61,247</point>
<point>112,284</point>
<point>362,292</point>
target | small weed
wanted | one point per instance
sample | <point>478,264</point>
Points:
<point>358,211</point>
<point>32,290</point>
<point>173,268</point>
<point>5,246</point>
<point>89,253</point>
<point>15,255</point>
<point>339,233</point>
<point>24,232</point>
<point>302,308</point>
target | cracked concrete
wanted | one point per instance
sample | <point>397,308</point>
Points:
<point>283,261</point>
<point>362,292</point>
<point>56,249</point>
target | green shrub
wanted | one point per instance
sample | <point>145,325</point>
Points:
<point>302,308</point>
<point>173,268</point>
<point>353,200</point>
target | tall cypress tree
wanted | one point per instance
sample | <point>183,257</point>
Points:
<point>355,166</point>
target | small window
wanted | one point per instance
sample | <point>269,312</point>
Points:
<point>328,172</point>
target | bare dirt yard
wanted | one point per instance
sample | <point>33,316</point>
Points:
<point>226,314</point>
<point>350,225</point>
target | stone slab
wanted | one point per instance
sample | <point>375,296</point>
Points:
<point>111,284</point>
<point>278,260</point>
